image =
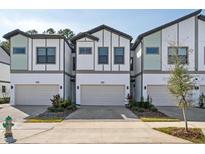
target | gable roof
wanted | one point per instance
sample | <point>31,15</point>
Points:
<point>139,38</point>
<point>201,17</point>
<point>81,35</point>
<point>5,50</point>
<point>37,36</point>
<point>90,32</point>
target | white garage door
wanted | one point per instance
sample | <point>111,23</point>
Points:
<point>161,96</point>
<point>202,89</point>
<point>102,95</point>
<point>35,94</point>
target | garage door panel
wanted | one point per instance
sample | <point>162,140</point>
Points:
<point>102,95</point>
<point>35,94</point>
<point>161,95</point>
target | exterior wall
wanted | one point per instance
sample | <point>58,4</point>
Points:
<point>19,61</point>
<point>152,61</point>
<point>106,39</point>
<point>201,45</point>
<point>35,78</point>
<point>57,43</point>
<point>4,73</point>
<point>102,79</point>
<point>181,34</point>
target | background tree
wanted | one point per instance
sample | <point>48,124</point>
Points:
<point>67,33</point>
<point>50,31</point>
<point>181,84</point>
<point>32,31</point>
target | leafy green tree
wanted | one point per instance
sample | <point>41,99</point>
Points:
<point>181,84</point>
<point>32,31</point>
<point>67,33</point>
<point>50,31</point>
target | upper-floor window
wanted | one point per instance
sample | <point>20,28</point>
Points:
<point>3,89</point>
<point>46,55</point>
<point>152,50</point>
<point>85,50</point>
<point>131,64</point>
<point>74,64</point>
<point>19,50</point>
<point>180,52</point>
<point>118,55</point>
<point>103,55</point>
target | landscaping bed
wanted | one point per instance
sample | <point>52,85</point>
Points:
<point>147,112</point>
<point>194,135</point>
<point>59,110</point>
<point>4,100</point>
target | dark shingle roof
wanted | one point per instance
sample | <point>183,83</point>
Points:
<point>139,38</point>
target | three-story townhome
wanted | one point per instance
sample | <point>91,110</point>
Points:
<point>154,57</point>
<point>41,66</point>
<point>102,66</point>
<point>4,73</point>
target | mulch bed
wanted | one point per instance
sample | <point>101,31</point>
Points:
<point>194,135</point>
<point>150,114</point>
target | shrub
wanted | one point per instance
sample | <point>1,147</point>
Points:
<point>132,103</point>
<point>153,109</point>
<point>64,104</point>
<point>201,100</point>
<point>4,100</point>
<point>54,109</point>
<point>56,101</point>
<point>134,108</point>
<point>140,110</point>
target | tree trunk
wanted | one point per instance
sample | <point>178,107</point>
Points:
<point>185,120</point>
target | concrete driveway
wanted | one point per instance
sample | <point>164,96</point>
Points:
<point>193,114</point>
<point>19,113</point>
<point>103,113</point>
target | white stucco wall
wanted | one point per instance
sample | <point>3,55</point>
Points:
<point>106,39</point>
<point>102,79</point>
<point>201,45</point>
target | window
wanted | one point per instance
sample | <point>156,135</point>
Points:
<point>131,63</point>
<point>74,64</point>
<point>46,55</point>
<point>152,50</point>
<point>102,55</point>
<point>19,50</point>
<point>180,52</point>
<point>119,55</point>
<point>85,50</point>
<point>3,89</point>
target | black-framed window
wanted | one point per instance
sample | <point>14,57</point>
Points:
<point>19,50</point>
<point>152,50</point>
<point>46,55</point>
<point>85,50</point>
<point>119,55</point>
<point>180,52</point>
<point>103,55</point>
<point>74,64</point>
<point>131,64</point>
<point>3,89</point>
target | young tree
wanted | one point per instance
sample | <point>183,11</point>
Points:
<point>181,84</point>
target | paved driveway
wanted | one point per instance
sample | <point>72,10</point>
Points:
<point>193,114</point>
<point>19,113</point>
<point>102,112</point>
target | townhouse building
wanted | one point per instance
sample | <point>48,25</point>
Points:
<point>41,66</point>
<point>4,73</point>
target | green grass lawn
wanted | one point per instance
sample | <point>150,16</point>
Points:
<point>44,120</point>
<point>159,119</point>
<point>194,135</point>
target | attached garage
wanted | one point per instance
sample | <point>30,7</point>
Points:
<point>35,94</point>
<point>161,95</point>
<point>112,95</point>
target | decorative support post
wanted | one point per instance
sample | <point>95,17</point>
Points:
<point>8,130</point>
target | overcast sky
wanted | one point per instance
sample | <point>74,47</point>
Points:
<point>132,22</point>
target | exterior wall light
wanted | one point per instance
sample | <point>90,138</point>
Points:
<point>77,87</point>
<point>61,87</point>
<point>12,87</point>
<point>145,87</point>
